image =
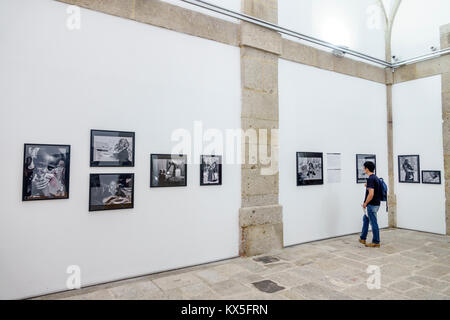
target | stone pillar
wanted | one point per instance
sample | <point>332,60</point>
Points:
<point>260,216</point>
<point>392,198</point>
<point>445,43</point>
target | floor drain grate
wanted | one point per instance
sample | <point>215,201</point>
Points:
<point>267,286</point>
<point>266,259</point>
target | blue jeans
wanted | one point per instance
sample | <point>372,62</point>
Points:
<point>372,213</point>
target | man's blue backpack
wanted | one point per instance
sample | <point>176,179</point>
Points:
<point>384,192</point>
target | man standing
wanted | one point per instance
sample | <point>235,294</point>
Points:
<point>371,204</point>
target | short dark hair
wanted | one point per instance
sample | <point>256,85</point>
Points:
<point>370,166</point>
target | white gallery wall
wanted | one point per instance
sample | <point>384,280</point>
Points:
<point>323,111</point>
<point>357,24</point>
<point>417,120</point>
<point>416,27</point>
<point>111,74</point>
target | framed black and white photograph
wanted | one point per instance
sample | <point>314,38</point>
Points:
<point>431,176</point>
<point>110,191</point>
<point>168,170</point>
<point>210,170</point>
<point>112,148</point>
<point>361,176</point>
<point>46,172</point>
<point>409,169</point>
<point>309,168</point>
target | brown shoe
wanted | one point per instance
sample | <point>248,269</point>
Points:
<point>362,241</point>
<point>373,245</point>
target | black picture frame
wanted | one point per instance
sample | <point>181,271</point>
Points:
<point>204,167</point>
<point>304,156</point>
<point>425,179</point>
<point>104,191</point>
<point>121,136</point>
<point>361,157</point>
<point>401,170</point>
<point>54,179</point>
<point>156,173</point>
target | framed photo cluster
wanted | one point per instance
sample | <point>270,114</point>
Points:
<point>46,170</point>
<point>409,171</point>
<point>109,191</point>
<point>310,167</point>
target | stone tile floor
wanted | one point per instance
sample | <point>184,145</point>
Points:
<point>413,265</point>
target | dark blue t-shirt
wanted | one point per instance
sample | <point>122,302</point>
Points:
<point>374,183</point>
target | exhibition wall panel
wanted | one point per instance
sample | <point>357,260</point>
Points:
<point>322,111</point>
<point>111,74</point>
<point>417,120</point>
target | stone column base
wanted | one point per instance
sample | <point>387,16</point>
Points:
<point>261,229</point>
<point>392,210</point>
